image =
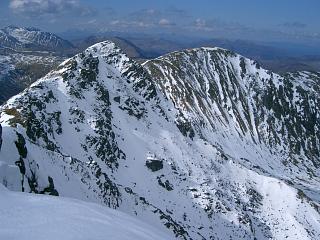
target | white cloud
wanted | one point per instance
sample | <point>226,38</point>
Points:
<point>200,23</point>
<point>92,21</point>
<point>43,7</point>
<point>297,25</point>
<point>165,22</point>
<point>130,24</point>
<point>151,11</point>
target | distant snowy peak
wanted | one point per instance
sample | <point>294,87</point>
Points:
<point>31,38</point>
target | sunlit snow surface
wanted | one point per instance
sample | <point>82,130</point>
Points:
<point>36,217</point>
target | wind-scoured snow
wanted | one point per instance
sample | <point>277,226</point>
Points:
<point>29,216</point>
<point>200,144</point>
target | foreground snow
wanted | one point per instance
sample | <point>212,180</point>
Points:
<point>29,216</point>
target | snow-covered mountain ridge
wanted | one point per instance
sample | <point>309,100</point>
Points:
<point>202,143</point>
<point>281,112</point>
<point>20,38</point>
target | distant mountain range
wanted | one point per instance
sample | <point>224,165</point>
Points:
<point>20,38</point>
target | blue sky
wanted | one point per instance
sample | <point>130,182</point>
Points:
<point>296,20</point>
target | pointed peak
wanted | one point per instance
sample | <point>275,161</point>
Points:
<point>102,48</point>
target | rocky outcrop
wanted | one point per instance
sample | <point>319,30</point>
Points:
<point>202,143</point>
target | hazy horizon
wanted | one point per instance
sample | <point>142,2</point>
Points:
<point>285,21</point>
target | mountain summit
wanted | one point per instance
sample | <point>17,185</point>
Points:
<point>201,143</point>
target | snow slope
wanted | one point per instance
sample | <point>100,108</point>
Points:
<point>29,216</point>
<point>201,144</point>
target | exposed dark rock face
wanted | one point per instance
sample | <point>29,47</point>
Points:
<point>154,165</point>
<point>203,143</point>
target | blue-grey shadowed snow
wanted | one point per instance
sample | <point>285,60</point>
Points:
<point>0,136</point>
